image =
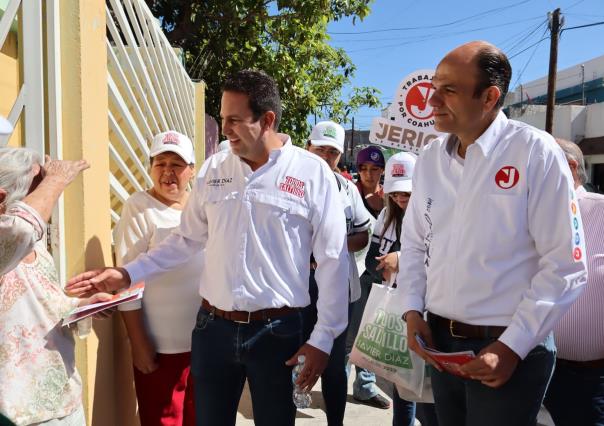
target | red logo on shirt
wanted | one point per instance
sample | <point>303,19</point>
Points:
<point>507,177</point>
<point>577,253</point>
<point>293,186</point>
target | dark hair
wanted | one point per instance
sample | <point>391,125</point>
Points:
<point>494,69</point>
<point>261,90</point>
<point>394,214</point>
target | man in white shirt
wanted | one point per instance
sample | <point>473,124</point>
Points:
<point>575,395</point>
<point>488,246</point>
<point>255,215</point>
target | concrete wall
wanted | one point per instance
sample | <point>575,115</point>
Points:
<point>565,78</point>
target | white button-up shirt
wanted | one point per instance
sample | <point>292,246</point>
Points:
<point>256,230</point>
<point>497,240</point>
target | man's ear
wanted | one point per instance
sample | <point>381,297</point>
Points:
<point>574,165</point>
<point>268,120</point>
<point>492,95</point>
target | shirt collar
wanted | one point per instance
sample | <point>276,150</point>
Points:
<point>490,137</point>
<point>487,140</point>
<point>580,191</point>
<point>287,145</point>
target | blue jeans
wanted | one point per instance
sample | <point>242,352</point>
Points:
<point>224,353</point>
<point>405,412</point>
<point>468,402</point>
<point>334,380</point>
<point>575,395</point>
<point>364,386</point>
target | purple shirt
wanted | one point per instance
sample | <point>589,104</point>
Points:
<point>580,333</point>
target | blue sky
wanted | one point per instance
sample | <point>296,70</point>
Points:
<point>383,58</point>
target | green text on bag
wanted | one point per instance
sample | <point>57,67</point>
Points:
<point>385,340</point>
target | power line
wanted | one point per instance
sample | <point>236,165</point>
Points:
<point>412,37</point>
<point>426,27</point>
<point>420,39</point>
<point>524,50</point>
<point>528,61</point>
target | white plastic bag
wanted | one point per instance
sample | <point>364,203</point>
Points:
<point>381,344</point>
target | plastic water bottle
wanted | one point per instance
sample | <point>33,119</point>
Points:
<point>301,398</point>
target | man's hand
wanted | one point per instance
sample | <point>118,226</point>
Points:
<point>417,325</point>
<point>63,171</point>
<point>105,280</point>
<point>98,298</point>
<point>144,358</point>
<point>493,366</point>
<point>316,361</point>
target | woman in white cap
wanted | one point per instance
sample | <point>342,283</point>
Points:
<point>159,326</point>
<point>382,260</point>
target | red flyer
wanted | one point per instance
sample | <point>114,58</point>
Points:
<point>448,361</point>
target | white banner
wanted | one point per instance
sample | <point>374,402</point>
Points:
<point>409,124</point>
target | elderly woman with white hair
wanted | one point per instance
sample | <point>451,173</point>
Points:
<point>40,384</point>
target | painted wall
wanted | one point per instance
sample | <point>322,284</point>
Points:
<point>10,82</point>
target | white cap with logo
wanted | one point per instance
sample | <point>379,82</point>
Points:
<point>328,133</point>
<point>5,127</point>
<point>172,141</point>
<point>399,171</point>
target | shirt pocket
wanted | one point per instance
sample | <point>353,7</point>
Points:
<point>282,204</point>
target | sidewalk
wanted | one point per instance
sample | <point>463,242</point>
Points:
<point>356,414</point>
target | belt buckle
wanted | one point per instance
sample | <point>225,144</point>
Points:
<point>453,333</point>
<point>249,316</point>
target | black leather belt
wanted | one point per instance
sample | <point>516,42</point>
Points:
<point>465,331</point>
<point>596,363</point>
<point>246,317</point>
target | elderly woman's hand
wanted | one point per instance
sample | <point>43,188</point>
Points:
<point>98,298</point>
<point>64,170</point>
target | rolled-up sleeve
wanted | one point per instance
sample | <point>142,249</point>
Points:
<point>20,228</point>
<point>331,255</point>
<point>555,224</point>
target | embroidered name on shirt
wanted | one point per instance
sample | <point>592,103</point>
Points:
<point>293,186</point>
<point>219,181</point>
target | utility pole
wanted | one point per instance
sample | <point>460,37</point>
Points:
<point>554,27</point>
<point>352,142</point>
<point>582,84</point>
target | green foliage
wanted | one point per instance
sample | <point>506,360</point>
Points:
<point>285,38</point>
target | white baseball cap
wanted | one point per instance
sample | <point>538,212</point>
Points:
<point>172,141</point>
<point>5,127</point>
<point>399,171</point>
<point>328,133</point>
